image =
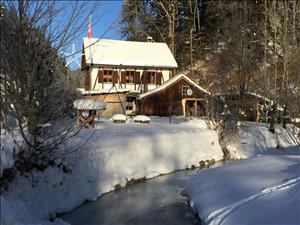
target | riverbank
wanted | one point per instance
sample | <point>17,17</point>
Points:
<point>115,154</point>
<point>155,201</point>
<point>260,190</point>
<point>263,189</point>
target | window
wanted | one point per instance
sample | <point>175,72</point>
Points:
<point>107,76</point>
<point>184,90</point>
<point>129,77</point>
<point>129,102</point>
<point>151,77</point>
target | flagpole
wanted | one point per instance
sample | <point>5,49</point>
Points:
<point>90,37</point>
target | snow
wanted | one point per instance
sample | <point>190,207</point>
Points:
<point>260,190</point>
<point>296,120</point>
<point>128,53</point>
<point>16,213</point>
<point>170,82</point>
<point>87,104</point>
<point>119,118</point>
<point>251,139</point>
<point>10,143</point>
<point>44,125</point>
<point>113,155</point>
<point>103,91</point>
<point>263,189</point>
<point>141,119</point>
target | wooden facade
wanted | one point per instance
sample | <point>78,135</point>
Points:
<point>175,99</point>
<point>115,103</point>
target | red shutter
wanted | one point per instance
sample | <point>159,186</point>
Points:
<point>123,77</point>
<point>87,81</point>
<point>158,78</point>
<point>100,76</point>
<point>115,77</point>
<point>137,78</point>
<point>145,74</point>
<point>144,77</point>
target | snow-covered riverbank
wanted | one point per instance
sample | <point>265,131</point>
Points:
<point>250,139</point>
<point>114,155</point>
<point>259,190</point>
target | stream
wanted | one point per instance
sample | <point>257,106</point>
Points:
<point>156,201</point>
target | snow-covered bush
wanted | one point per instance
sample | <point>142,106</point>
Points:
<point>141,119</point>
<point>119,118</point>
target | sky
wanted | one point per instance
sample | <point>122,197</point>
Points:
<point>107,26</point>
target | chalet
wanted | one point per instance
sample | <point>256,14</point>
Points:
<point>118,71</point>
<point>177,96</point>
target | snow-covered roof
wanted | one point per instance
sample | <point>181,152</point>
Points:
<point>172,81</point>
<point>89,104</point>
<point>128,53</point>
<point>279,107</point>
<point>103,91</point>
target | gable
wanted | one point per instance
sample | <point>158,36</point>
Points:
<point>175,83</point>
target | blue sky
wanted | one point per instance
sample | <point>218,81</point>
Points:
<point>110,17</point>
<point>108,27</point>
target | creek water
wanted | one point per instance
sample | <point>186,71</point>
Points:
<point>157,201</point>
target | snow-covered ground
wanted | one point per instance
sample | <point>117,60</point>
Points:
<point>10,143</point>
<point>260,190</point>
<point>264,189</point>
<point>250,139</point>
<point>114,155</point>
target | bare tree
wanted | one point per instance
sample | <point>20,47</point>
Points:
<point>34,87</point>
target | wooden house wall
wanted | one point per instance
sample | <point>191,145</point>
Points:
<point>162,102</point>
<point>113,103</point>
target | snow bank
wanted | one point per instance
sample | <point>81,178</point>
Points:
<point>10,143</point>
<point>114,155</point>
<point>252,138</point>
<point>16,213</point>
<point>260,190</point>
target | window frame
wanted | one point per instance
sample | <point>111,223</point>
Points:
<point>129,76</point>
<point>151,77</point>
<point>184,89</point>
<point>108,77</point>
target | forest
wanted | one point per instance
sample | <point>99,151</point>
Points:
<point>231,47</point>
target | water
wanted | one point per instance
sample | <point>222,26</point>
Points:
<point>157,201</point>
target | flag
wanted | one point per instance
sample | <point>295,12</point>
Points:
<point>90,27</point>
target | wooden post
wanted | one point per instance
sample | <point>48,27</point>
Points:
<point>183,101</point>
<point>170,114</point>
<point>257,112</point>
<point>195,108</point>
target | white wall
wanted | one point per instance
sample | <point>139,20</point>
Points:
<point>98,86</point>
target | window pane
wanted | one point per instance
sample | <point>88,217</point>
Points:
<point>151,77</point>
<point>107,76</point>
<point>129,76</point>
<point>184,90</point>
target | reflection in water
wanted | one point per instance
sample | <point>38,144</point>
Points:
<point>154,202</point>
